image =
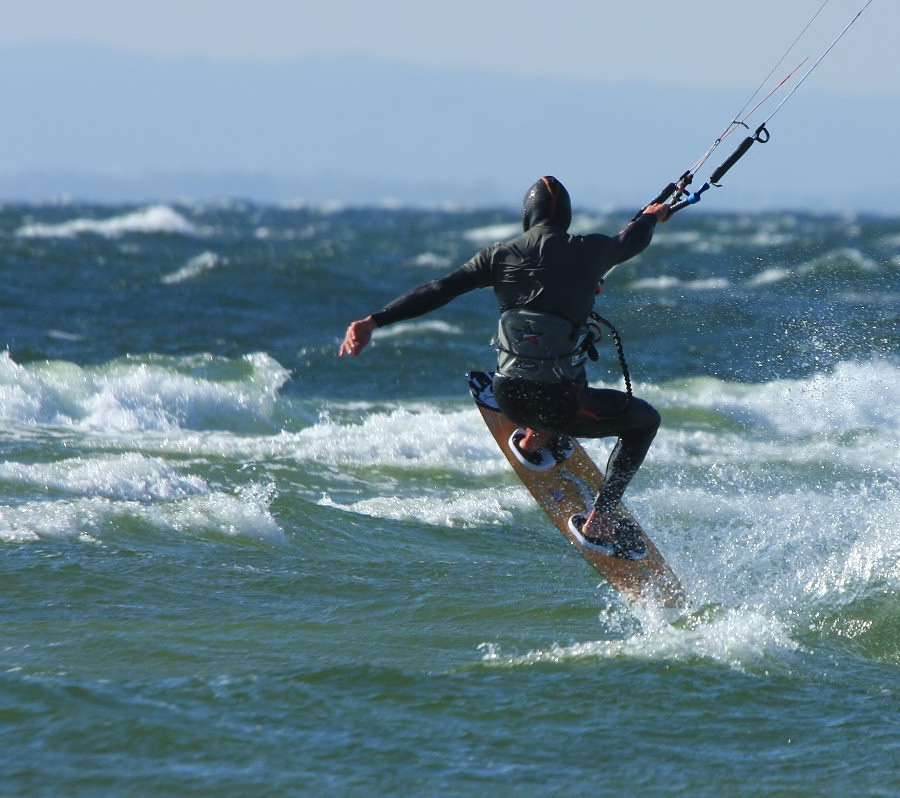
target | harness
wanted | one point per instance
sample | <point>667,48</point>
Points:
<point>544,347</point>
<point>539,346</point>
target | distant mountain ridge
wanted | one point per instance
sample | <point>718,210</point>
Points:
<point>99,124</point>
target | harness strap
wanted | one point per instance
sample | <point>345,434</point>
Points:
<point>617,339</point>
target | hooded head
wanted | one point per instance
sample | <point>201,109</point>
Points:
<point>547,201</point>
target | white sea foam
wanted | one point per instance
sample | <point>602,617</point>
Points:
<point>482,236</point>
<point>672,239</point>
<point>584,224</point>
<point>410,439</point>
<point>460,508</point>
<point>127,396</point>
<point>131,477</point>
<point>405,329</point>
<point>737,638</point>
<point>845,256</point>
<point>244,513</point>
<point>768,277</point>
<point>153,219</point>
<point>93,519</point>
<point>871,452</point>
<point>205,261</point>
<point>851,412</point>
<point>756,568</point>
<point>851,397</point>
<point>37,520</point>
<point>432,260</point>
<point>811,543</point>
<point>661,283</point>
<point>665,283</point>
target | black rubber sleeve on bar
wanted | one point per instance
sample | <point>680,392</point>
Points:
<point>745,145</point>
<point>664,194</point>
<point>661,197</point>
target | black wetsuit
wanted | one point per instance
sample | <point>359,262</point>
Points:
<point>549,270</point>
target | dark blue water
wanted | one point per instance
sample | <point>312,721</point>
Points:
<point>233,564</point>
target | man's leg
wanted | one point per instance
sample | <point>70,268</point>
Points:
<point>603,414</point>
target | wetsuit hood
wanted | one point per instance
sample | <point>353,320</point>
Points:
<point>548,202</point>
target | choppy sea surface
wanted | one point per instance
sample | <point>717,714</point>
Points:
<point>232,564</point>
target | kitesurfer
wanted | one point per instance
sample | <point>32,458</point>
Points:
<point>546,281</point>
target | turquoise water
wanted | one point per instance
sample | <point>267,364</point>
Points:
<point>233,564</point>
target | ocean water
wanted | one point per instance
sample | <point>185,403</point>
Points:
<point>232,564</point>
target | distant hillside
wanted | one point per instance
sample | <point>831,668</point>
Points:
<point>99,124</point>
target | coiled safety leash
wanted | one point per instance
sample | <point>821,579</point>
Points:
<point>595,321</point>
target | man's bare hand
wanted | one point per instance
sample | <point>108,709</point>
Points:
<point>659,209</point>
<point>359,333</point>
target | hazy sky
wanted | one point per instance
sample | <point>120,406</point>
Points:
<point>695,43</point>
<point>831,149</point>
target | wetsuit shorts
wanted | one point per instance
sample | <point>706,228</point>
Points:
<point>574,408</point>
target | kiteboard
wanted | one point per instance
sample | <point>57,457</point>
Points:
<point>568,488</point>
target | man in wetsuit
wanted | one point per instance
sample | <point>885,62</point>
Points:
<point>546,281</point>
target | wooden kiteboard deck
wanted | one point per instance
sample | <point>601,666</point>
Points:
<point>569,488</point>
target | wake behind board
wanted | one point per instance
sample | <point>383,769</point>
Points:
<point>569,488</point>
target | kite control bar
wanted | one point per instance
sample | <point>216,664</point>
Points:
<point>761,135</point>
<point>675,194</point>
